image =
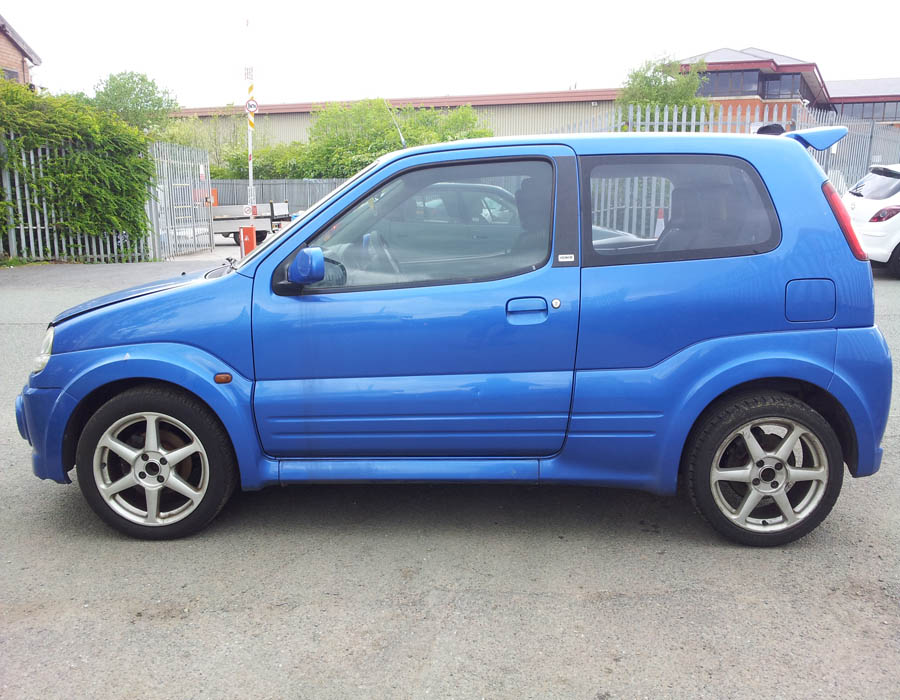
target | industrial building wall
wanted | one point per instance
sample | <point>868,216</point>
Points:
<point>503,120</point>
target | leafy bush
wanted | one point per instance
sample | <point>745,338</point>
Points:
<point>98,171</point>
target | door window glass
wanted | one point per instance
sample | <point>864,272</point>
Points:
<point>441,225</point>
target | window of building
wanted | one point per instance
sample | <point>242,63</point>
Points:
<point>713,206</point>
<point>11,74</point>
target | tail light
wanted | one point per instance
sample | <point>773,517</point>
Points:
<point>885,214</point>
<point>843,219</point>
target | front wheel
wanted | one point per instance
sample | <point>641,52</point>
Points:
<point>155,463</point>
<point>764,469</point>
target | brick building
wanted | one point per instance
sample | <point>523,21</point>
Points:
<point>16,56</point>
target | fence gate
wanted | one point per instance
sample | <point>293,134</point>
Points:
<point>299,194</point>
<point>179,207</point>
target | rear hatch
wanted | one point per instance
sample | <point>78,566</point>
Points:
<point>879,188</point>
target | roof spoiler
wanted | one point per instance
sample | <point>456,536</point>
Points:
<point>820,138</point>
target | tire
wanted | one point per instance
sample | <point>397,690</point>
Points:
<point>261,236</point>
<point>893,263</point>
<point>763,469</point>
<point>237,238</point>
<point>156,488</point>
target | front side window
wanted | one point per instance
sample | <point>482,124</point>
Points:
<point>442,225</point>
<point>661,208</point>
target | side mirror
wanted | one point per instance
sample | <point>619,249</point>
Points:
<point>308,267</point>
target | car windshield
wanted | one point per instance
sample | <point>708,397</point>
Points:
<point>309,212</point>
<point>881,183</point>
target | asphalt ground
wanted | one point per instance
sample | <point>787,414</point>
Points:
<point>430,591</point>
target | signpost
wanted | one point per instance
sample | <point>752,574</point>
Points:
<point>251,107</point>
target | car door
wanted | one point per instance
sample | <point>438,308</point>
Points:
<point>419,351</point>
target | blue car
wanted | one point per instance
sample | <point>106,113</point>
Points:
<point>628,310</point>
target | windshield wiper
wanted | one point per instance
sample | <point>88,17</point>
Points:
<point>232,263</point>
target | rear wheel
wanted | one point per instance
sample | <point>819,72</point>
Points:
<point>893,263</point>
<point>155,463</point>
<point>764,469</point>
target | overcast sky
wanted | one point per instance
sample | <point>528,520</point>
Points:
<point>328,50</point>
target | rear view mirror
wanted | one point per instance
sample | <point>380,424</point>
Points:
<point>308,267</point>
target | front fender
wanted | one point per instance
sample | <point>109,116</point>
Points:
<point>81,373</point>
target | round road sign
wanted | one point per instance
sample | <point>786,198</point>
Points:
<point>251,106</point>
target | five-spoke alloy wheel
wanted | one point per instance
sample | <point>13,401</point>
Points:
<point>764,469</point>
<point>155,463</point>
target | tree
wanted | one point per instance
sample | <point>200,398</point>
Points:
<point>137,99</point>
<point>664,82</point>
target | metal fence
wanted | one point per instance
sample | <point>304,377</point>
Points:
<point>180,218</point>
<point>638,203</point>
<point>866,143</point>
<point>31,230</point>
<point>299,194</point>
<point>179,208</point>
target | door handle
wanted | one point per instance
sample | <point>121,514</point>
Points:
<point>526,310</point>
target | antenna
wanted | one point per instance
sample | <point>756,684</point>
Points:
<point>396,125</point>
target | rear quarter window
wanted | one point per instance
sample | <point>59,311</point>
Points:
<point>657,208</point>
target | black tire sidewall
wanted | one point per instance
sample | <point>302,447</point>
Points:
<point>720,422</point>
<point>199,419</point>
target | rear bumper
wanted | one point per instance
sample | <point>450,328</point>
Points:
<point>862,383</point>
<point>876,241</point>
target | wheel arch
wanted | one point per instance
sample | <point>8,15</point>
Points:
<point>188,370</point>
<point>91,403</point>
<point>816,397</point>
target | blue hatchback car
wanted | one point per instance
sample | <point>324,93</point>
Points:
<point>619,310</point>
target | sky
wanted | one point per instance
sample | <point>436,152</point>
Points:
<point>319,51</point>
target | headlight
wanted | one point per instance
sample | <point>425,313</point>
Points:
<point>44,355</point>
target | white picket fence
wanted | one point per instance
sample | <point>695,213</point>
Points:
<point>180,218</point>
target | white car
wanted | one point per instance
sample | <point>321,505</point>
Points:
<point>874,206</point>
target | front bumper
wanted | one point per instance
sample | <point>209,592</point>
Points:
<point>21,424</point>
<point>41,415</point>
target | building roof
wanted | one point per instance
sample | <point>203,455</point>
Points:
<point>514,98</point>
<point>748,55</point>
<point>19,41</point>
<point>873,87</point>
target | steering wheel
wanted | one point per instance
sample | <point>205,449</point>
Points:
<point>379,248</point>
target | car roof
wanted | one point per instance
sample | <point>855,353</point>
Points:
<point>647,142</point>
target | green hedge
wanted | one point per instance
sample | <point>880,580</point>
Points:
<point>100,182</point>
